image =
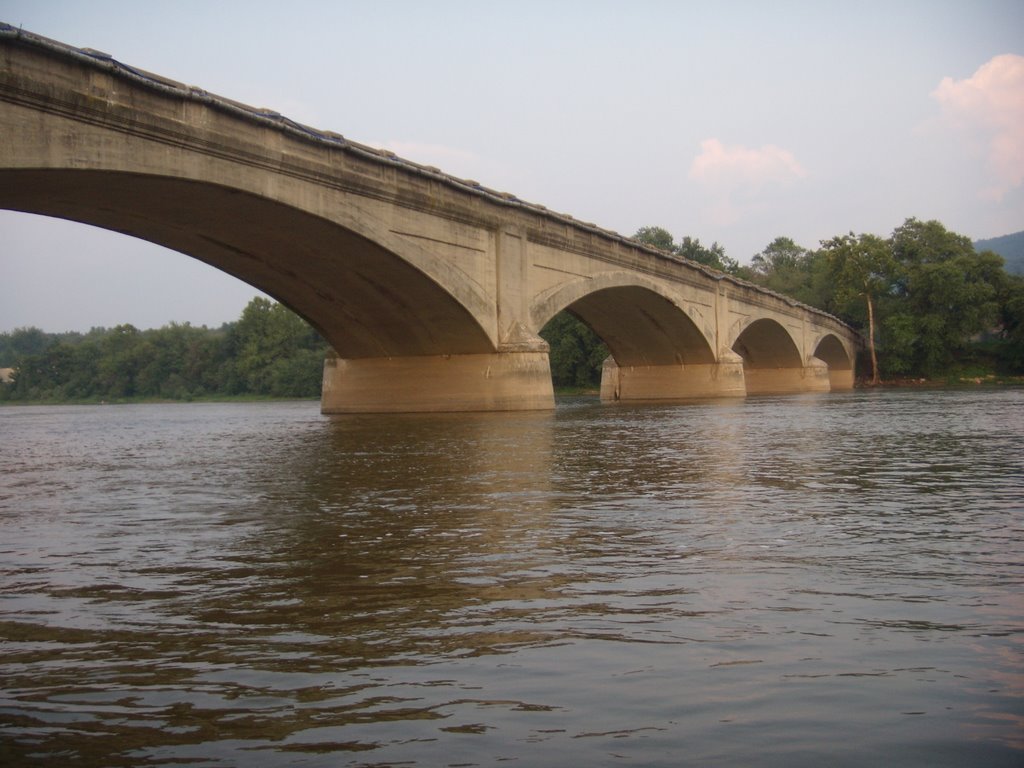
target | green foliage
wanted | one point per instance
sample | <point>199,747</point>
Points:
<point>23,341</point>
<point>270,351</point>
<point>946,292</point>
<point>273,352</point>
<point>938,303</point>
<point>921,242</point>
<point>861,268</point>
<point>790,269</point>
<point>714,257</point>
<point>689,248</point>
<point>577,353</point>
<point>928,299</point>
<point>1008,344</point>
<point>658,237</point>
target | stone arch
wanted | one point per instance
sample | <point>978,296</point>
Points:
<point>773,363</point>
<point>840,361</point>
<point>299,258</point>
<point>640,322</point>
<point>765,343</point>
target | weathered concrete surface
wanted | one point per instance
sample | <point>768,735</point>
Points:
<point>812,377</point>
<point>509,381</point>
<point>431,289</point>
<point>673,382</point>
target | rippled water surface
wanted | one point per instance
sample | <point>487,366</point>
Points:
<point>803,581</point>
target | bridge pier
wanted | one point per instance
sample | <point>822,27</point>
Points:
<point>813,377</point>
<point>840,379</point>
<point>728,378</point>
<point>506,381</point>
<point>673,382</point>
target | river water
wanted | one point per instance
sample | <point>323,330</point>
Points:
<point>793,581</point>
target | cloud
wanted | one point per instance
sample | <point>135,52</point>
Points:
<point>989,106</point>
<point>739,167</point>
<point>735,177</point>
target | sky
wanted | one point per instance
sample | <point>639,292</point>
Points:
<point>732,122</point>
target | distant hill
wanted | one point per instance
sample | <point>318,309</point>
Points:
<point>1010,247</point>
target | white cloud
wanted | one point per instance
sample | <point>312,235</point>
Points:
<point>989,107</point>
<point>740,167</point>
<point>734,180</point>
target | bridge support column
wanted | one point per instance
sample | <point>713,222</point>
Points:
<point>840,379</point>
<point>813,377</point>
<point>673,382</point>
<point>505,381</point>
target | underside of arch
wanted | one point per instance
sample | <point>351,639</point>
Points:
<point>657,350</point>
<point>772,363</point>
<point>363,298</point>
<point>638,325</point>
<point>840,362</point>
<point>766,344</point>
<point>831,350</point>
<point>642,328</point>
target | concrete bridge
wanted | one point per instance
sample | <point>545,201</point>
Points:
<point>431,289</point>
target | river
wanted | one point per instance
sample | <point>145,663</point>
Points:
<point>777,581</point>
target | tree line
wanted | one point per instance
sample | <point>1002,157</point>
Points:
<point>926,301</point>
<point>269,351</point>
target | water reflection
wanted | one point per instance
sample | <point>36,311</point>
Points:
<point>378,531</point>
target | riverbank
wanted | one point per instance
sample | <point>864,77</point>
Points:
<point>958,380</point>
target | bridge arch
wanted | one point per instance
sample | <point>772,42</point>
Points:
<point>840,360</point>
<point>640,322</point>
<point>765,343</point>
<point>299,258</point>
<point>773,361</point>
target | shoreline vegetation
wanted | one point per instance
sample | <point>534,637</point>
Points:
<point>949,382</point>
<point>934,312</point>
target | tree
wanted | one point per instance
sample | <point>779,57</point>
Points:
<point>789,269</point>
<point>714,257</point>
<point>266,339</point>
<point>944,291</point>
<point>21,341</point>
<point>657,236</point>
<point>929,296</point>
<point>863,268</point>
<point>576,352</point>
<point>1011,323</point>
<point>269,351</point>
<point>781,254</point>
<point>918,242</point>
<point>120,358</point>
<point>689,248</point>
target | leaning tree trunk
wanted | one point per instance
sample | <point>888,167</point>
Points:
<point>875,380</point>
